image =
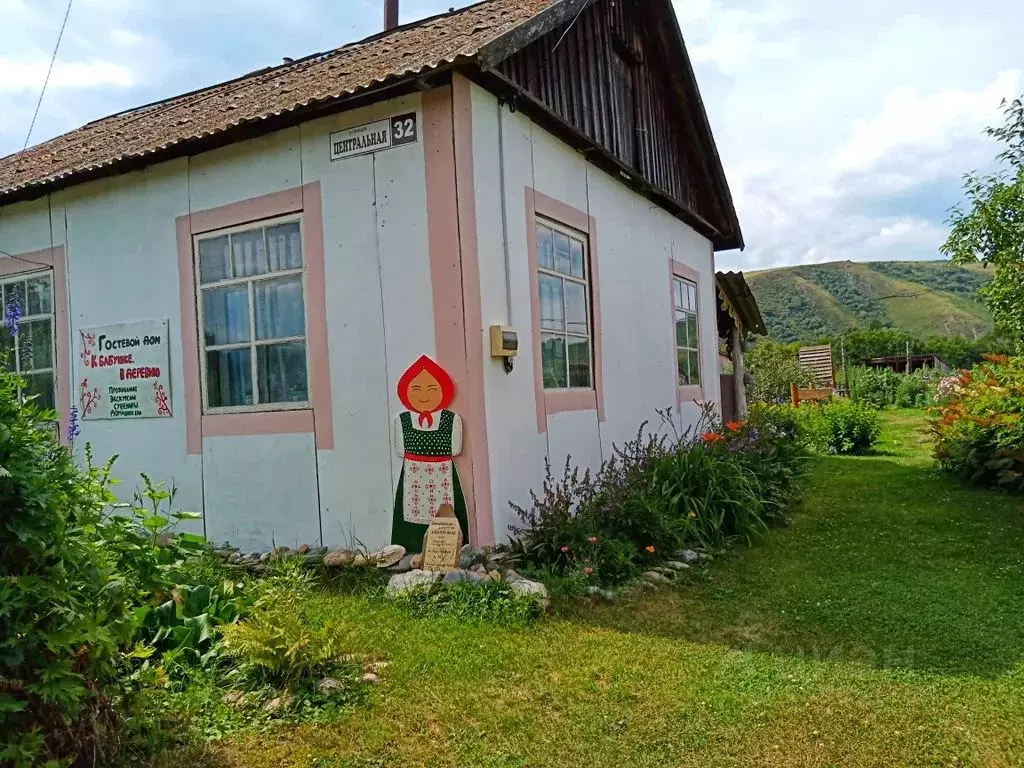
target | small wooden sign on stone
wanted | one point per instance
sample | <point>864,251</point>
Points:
<point>442,542</point>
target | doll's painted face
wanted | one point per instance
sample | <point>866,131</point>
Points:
<point>425,392</point>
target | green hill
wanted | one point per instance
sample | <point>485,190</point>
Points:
<point>925,298</point>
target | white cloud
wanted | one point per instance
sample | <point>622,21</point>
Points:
<point>933,121</point>
<point>29,75</point>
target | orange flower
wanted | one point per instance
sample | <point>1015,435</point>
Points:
<point>711,437</point>
<point>735,426</point>
<point>650,548</point>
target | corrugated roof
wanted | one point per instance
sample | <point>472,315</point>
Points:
<point>308,82</point>
<point>742,303</point>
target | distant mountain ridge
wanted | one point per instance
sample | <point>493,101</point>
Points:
<point>925,298</point>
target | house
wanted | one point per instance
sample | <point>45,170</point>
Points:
<point>228,285</point>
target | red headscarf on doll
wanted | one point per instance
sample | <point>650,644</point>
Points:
<point>443,379</point>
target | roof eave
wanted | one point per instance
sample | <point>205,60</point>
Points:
<point>240,131</point>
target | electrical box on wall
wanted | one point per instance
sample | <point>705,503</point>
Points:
<point>504,341</point>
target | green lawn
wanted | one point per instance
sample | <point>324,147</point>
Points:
<point>885,627</point>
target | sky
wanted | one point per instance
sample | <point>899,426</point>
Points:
<point>844,128</point>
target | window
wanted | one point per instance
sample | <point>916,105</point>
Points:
<point>252,317</point>
<point>562,266</point>
<point>684,295</point>
<point>30,353</point>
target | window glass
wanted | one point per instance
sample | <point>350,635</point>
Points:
<point>552,304</point>
<point>579,362</point>
<point>248,254</point>
<point>281,371</point>
<point>229,377</point>
<point>214,259</point>
<point>566,348</point>
<point>576,258</point>
<point>684,294</point>
<point>545,254</point>
<point>226,315</point>
<point>279,310</point>
<point>284,246</point>
<point>30,353</point>
<point>563,261</point>
<point>254,318</point>
<point>553,360</point>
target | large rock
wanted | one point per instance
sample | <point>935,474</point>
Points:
<point>330,685</point>
<point>404,565</point>
<point>653,577</point>
<point>470,556</point>
<point>527,587</point>
<point>460,575</point>
<point>511,576</point>
<point>689,556</point>
<point>417,579</point>
<point>677,565</point>
<point>390,555</point>
<point>338,558</point>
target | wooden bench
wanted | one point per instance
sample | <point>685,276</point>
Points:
<point>811,394</point>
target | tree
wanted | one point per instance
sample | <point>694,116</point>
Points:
<point>991,227</point>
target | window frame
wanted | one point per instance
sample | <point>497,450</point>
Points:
<point>26,277</point>
<point>682,312</point>
<point>253,343</point>
<point>584,238</point>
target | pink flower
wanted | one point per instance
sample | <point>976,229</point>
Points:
<point>592,539</point>
<point>588,570</point>
<point>565,549</point>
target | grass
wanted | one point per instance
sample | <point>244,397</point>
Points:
<point>884,627</point>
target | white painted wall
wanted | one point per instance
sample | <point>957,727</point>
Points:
<point>122,266</point>
<point>635,240</point>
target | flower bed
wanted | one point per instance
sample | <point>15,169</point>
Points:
<point>659,494</point>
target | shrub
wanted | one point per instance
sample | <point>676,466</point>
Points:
<point>659,493</point>
<point>885,388</point>
<point>61,614</point>
<point>875,387</point>
<point>773,368</point>
<point>979,429</point>
<point>282,641</point>
<point>841,427</point>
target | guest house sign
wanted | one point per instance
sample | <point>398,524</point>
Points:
<point>374,137</point>
<point>124,371</point>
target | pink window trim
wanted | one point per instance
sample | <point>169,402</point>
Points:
<point>54,259</point>
<point>557,401</point>
<point>320,419</point>
<point>677,269</point>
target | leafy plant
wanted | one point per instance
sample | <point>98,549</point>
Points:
<point>773,368</point>
<point>841,427</point>
<point>979,428</point>
<point>62,615</point>
<point>657,494</point>
<point>493,602</point>
<point>282,642</point>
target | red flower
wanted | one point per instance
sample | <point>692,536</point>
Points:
<point>735,426</point>
<point>565,549</point>
<point>592,539</point>
<point>711,437</point>
<point>650,548</point>
<point>588,570</point>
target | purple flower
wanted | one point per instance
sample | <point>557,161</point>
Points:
<point>12,315</point>
<point>74,427</point>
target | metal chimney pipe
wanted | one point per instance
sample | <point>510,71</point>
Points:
<point>390,14</point>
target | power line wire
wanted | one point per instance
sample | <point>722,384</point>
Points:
<point>49,71</point>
